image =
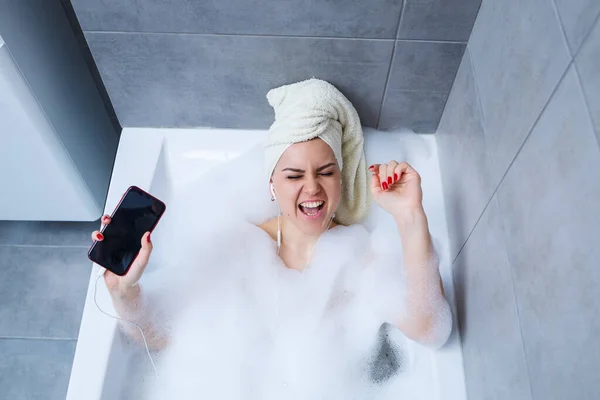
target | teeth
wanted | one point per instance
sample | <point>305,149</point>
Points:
<point>311,204</point>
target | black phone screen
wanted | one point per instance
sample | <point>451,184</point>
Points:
<point>137,214</point>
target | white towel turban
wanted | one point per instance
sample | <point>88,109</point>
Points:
<point>315,108</point>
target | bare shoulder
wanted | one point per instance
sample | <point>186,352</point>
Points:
<point>270,227</point>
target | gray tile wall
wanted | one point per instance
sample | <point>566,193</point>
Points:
<point>519,151</point>
<point>45,272</point>
<point>188,63</point>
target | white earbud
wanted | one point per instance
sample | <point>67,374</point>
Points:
<point>273,192</point>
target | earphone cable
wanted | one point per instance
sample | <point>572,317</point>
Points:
<point>125,320</point>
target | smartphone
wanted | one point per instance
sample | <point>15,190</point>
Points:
<point>138,212</point>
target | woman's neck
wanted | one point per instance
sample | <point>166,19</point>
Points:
<point>296,244</point>
<point>296,240</point>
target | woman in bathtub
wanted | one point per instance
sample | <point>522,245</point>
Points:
<point>316,172</point>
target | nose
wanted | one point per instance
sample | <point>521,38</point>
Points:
<point>312,186</point>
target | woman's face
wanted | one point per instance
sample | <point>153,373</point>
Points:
<point>307,183</point>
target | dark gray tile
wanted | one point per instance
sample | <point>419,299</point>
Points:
<point>373,19</point>
<point>419,111</point>
<point>35,369</point>
<point>577,17</point>
<point>588,62</point>
<point>493,356</point>
<point>42,290</point>
<point>425,66</point>
<point>222,81</point>
<point>47,233</point>
<point>420,78</point>
<point>519,54</point>
<point>464,159</point>
<point>549,204</point>
<point>438,19</point>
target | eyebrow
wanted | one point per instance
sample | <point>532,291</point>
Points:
<point>302,171</point>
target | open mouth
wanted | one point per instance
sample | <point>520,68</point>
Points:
<point>311,208</point>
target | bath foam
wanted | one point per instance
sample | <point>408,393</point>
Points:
<point>243,326</point>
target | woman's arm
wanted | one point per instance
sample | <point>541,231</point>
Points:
<point>127,296</point>
<point>396,187</point>
<point>427,317</point>
<point>131,306</point>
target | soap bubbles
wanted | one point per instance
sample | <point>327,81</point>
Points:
<point>241,325</point>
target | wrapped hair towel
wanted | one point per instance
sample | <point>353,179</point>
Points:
<point>316,109</point>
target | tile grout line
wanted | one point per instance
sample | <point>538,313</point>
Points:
<point>258,35</point>
<point>596,21</point>
<point>387,77</point>
<point>474,226</point>
<point>580,82</point>
<point>562,28</point>
<point>517,152</point>
<point>586,103</point>
<point>249,35</point>
<point>385,87</point>
<point>433,41</point>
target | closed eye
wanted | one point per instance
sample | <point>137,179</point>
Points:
<point>299,176</point>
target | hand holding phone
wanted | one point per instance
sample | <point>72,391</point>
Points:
<point>120,283</point>
<point>123,246</point>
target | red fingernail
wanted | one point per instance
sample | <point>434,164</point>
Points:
<point>389,180</point>
<point>396,177</point>
<point>99,236</point>
<point>148,238</point>
<point>384,185</point>
<point>371,167</point>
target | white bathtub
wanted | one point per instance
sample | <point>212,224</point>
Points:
<point>161,160</point>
